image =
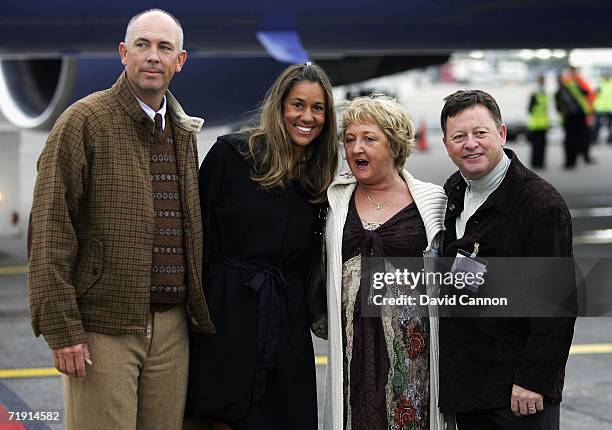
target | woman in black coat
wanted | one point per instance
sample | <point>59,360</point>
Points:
<point>261,191</point>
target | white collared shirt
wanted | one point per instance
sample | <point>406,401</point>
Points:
<point>151,113</point>
<point>478,191</point>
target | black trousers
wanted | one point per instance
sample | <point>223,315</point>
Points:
<point>504,419</point>
<point>538,147</point>
<point>577,139</point>
<point>600,118</point>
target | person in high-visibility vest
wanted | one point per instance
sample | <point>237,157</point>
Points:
<point>586,97</point>
<point>603,108</point>
<point>538,124</point>
<point>574,108</point>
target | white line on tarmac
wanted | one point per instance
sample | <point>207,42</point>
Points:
<point>593,237</point>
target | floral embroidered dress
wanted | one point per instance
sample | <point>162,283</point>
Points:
<point>386,360</point>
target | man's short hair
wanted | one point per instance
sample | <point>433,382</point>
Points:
<point>128,30</point>
<point>465,99</point>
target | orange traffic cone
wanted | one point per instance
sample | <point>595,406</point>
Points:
<point>422,136</point>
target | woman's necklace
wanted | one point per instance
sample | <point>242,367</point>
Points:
<point>377,205</point>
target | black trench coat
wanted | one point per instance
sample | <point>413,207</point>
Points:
<point>258,370</point>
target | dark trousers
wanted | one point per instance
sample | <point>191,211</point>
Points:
<point>586,143</point>
<point>577,139</point>
<point>538,147</point>
<point>600,118</point>
<point>504,419</point>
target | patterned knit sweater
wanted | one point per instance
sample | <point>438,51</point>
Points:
<point>168,286</point>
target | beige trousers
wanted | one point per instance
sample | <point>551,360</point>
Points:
<point>135,382</point>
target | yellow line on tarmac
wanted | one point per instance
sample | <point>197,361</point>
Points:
<point>35,372</point>
<point>320,360</point>
<point>580,349</point>
<point>591,348</point>
<point>13,270</point>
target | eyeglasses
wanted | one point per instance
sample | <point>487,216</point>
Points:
<point>461,137</point>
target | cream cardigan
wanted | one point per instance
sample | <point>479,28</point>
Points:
<point>431,203</point>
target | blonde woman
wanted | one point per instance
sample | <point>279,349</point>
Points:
<point>382,372</point>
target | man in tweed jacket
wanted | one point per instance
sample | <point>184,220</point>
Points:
<point>108,287</point>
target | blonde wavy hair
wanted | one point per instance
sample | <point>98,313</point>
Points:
<point>392,118</point>
<point>275,158</point>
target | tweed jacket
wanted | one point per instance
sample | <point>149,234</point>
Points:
<point>431,203</point>
<point>92,220</point>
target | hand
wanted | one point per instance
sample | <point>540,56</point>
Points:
<point>71,360</point>
<point>525,402</point>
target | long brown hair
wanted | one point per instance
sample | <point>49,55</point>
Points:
<point>275,158</point>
